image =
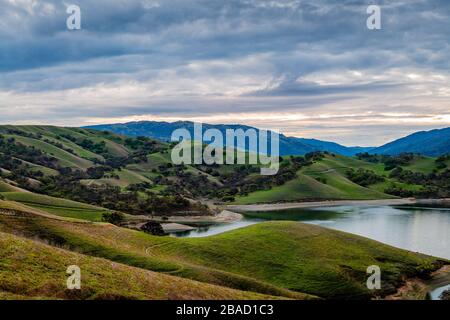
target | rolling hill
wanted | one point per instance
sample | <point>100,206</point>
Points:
<point>136,175</point>
<point>282,259</point>
<point>327,178</point>
<point>25,276</point>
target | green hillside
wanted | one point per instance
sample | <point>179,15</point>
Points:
<point>6,187</point>
<point>57,206</point>
<point>109,170</point>
<point>25,276</point>
<point>286,259</point>
<point>327,179</point>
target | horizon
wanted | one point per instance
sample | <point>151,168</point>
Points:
<point>309,69</point>
<point>236,124</point>
<point>289,136</point>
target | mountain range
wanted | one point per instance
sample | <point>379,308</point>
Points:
<point>429,143</point>
<point>432,143</point>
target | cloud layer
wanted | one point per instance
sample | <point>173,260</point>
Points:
<point>306,67</point>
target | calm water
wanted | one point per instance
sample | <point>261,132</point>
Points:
<point>436,294</point>
<point>211,230</point>
<point>418,229</point>
<point>425,230</point>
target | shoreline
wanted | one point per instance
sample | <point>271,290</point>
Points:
<point>420,289</point>
<point>180,224</point>
<point>316,204</point>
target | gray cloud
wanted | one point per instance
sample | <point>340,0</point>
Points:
<point>194,58</point>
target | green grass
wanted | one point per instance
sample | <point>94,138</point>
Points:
<point>304,258</point>
<point>126,177</point>
<point>65,158</point>
<point>307,187</point>
<point>35,168</point>
<point>79,151</point>
<point>32,270</point>
<point>302,188</point>
<point>278,258</point>
<point>6,187</point>
<point>57,206</point>
<point>422,165</point>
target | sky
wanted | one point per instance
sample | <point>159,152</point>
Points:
<point>308,68</point>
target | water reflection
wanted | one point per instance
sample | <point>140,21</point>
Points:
<point>436,294</point>
<point>415,229</point>
<point>209,230</point>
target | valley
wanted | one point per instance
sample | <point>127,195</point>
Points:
<point>81,196</point>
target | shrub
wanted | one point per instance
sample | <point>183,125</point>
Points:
<point>113,217</point>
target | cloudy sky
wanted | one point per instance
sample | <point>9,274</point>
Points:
<point>309,68</point>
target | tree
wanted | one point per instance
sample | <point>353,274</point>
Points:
<point>114,217</point>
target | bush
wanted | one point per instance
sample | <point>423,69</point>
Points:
<point>113,217</point>
<point>363,177</point>
<point>153,228</point>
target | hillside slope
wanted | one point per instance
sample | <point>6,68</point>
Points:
<point>33,270</point>
<point>327,178</point>
<point>277,258</point>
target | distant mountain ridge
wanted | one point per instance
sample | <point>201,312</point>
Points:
<point>163,131</point>
<point>430,143</point>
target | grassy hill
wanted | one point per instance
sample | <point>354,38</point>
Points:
<point>57,206</point>
<point>286,259</point>
<point>33,270</point>
<point>327,178</point>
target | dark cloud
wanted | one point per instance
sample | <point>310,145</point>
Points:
<point>194,57</point>
<point>34,34</point>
